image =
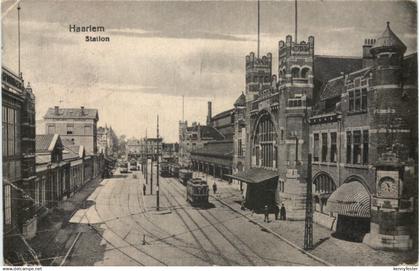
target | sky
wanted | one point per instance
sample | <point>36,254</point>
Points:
<point>160,51</point>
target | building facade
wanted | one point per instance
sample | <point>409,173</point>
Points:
<point>18,133</point>
<point>192,138</point>
<point>363,136</point>
<point>106,141</point>
<point>76,124</point>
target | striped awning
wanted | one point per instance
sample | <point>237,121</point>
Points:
<point>350,199</point>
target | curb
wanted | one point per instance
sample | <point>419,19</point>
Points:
<point>276,234</point>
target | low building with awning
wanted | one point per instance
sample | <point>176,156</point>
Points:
<point>351,203</point>
<point>261,188</point>
<point>214,158</point>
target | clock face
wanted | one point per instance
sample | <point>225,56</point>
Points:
<point>388,188</point>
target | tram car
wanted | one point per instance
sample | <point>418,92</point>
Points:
<point>164,169</point>
<point>197,192</point>
<point>174,170</point>
<point>184,176</point>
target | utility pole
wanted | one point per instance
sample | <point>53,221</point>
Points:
<point>258,47</point>
<point>296,22</point>
<point>157,170</point>
<point>308,239</point>
<point>151,175</point>
<point>18,10</point>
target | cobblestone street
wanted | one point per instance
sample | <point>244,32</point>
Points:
<point>124,228</point>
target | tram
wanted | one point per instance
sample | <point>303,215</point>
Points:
<point>197,192</point>
<point>173,170</point>
<point>184,176</point>
<point>164,169</point>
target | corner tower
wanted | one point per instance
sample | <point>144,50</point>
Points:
<point>295,67</point>
<point>258,74</point>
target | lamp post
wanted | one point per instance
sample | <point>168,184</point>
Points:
<point>295,136</point>
<point>308,238</point>
<point>157,169</point>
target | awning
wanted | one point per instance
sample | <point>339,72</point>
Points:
<point>350,199</point>
<point>254,175</point>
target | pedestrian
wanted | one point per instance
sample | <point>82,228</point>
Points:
<point>266,213</point>
<point>144,189</point>
<point>214,188</point>
<point>282,212</point>
<point>276,211</point>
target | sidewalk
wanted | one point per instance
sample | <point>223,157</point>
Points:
<point>328,248</point>
<point>54,233</point>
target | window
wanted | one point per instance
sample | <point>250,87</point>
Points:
<point>264,143</point>
<point>365,147</point>
<point>357,147</point>
<point>282,134</point>
<point>348,147</point>
<point>7,205</point>
<point>43,188</point>
<point>316,147</point>
<point>333,150</point>
<point>87,130</point>
<point>295,72</point>
<point>351,101</point>
<point>357,100</point>
<point>70,129</point>
<point>324,147</point>
<point>364,99</point>
<point>36,193</point>
<point>51,129</point>
<point>305,72</point>
<point>240,152</point>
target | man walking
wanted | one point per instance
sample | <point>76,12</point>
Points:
<point>282,212</point>
<point>144,189</point>
<point>214,188</point>
<point>276,211</point>
<point>266,213</point>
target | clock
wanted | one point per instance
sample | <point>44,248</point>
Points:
<point>388,188</point>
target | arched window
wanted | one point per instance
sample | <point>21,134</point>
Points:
<point>295,72</point>
<point>324,186</point>
<point>264,143</point>
<point>305,72</point>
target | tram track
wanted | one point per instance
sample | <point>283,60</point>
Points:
<point>219,252</point>
<point>221,224</point>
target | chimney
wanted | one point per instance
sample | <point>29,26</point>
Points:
<point>82,112</point>
<point>56,110</point>
<point>367,57</point>
<point>208,113</point>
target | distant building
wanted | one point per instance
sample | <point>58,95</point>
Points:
<point>192,138</point>
<point>18,133</point>
<point>76,124</point>
<point>106,141</point>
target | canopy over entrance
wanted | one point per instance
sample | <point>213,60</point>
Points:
<point>255,175</point>
<point>261,187</point>
<point>350,199</point>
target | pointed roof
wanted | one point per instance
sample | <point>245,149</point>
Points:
<point>388,41</point>
<point>240,101</point>
<point>46,143</point>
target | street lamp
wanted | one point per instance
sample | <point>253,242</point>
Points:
<point>295,136</point>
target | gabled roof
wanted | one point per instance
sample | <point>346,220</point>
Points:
<point>46,143</point>
<point>73,152</point>
<point>72,113</point>
<point>335,87</point>
<point>210,132</point>
<point>241,100</point>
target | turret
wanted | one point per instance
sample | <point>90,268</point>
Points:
<point>388,52</point>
